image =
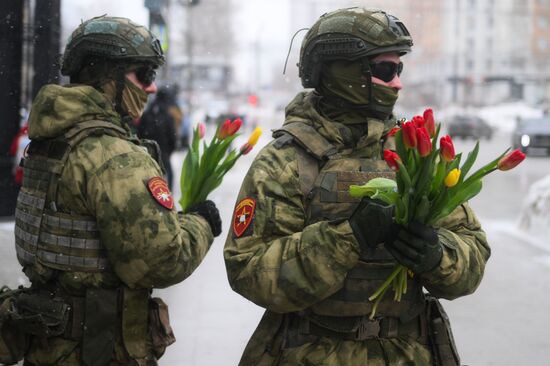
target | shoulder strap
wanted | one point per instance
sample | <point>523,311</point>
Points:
<point>308,171</point>
<point>308,137</point>
<point>93,127</point>
<point>312,150</point>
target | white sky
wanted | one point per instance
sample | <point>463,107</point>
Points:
<point>260,21</point>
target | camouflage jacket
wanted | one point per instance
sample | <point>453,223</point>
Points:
<point>148,245</point>
<point>285,266</point>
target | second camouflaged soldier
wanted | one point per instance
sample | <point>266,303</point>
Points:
<point>302,248</point>
<point>96,227</point>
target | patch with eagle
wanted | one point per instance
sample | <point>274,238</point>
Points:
<point>243,215</point>
<point>160,192</point>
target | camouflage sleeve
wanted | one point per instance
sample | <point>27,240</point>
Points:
<point>147,243</point>
<point>465,253</point>
<point>281,264</point>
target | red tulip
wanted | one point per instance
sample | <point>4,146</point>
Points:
<point>447,149</point>
<point>234,126</point>
<point>223,131</point>
<point>202,130</point>
<point>429,121</point>
<point>246,148</point>
<point>409,135</point>
<point>392,132</point>
<point>391,159</point>
<point>418,121</point>
<point>511,160</point>
<point>424,142</point>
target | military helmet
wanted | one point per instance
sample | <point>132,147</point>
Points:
<point>350,34</point>
<point>110,38</point>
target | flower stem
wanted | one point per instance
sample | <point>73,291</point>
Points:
<point>375,306</point>
<point>382,289</point>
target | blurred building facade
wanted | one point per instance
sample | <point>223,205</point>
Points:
<point>200,49</point>
<point>467,52</point>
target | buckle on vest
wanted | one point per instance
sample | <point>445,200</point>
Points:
<point>368,329</point>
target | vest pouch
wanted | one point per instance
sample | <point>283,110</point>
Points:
<point>159,325</point>
<point>42,314</point>
<point>135,324</point>
<point>13,342</point>
<point>100,322</point>
<point>440,335</point>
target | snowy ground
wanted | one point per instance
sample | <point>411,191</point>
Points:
<point>505,322</point>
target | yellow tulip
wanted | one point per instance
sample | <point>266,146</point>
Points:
<point>253,139</point>
<point>452,178</point>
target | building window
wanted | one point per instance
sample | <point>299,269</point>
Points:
<point>542,44</point>
<point>470,64</point>
<point>542,22</point>
<point>488,65</point>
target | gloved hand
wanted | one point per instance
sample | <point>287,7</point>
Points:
<point>208,210</point>
<point>416,247</point>
<point>371,222</point>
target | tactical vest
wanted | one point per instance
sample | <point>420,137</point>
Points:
<point>44,236</point>
<point>48,240</point>
<point>325,176</point>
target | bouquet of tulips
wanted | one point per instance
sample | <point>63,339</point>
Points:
<point>202,173</point>
<point>430,182</point>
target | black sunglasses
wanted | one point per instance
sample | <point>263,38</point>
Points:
<point>386,70</point>
<point>146,75</point>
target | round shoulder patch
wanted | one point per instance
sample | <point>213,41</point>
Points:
<point>160,192</point>
<point>243,215</point>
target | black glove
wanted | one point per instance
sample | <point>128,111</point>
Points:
<point>416,247</point>
<point>208,210</point>
<point>371,222</point>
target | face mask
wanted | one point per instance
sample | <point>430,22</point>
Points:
<point>343,79</point>
<point>134,99</point>
<point>384,95</point>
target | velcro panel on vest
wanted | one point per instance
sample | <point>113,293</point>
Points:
<point>332,200</point>
<point>135,311</point>
<point>335,185</point>
<point>308,137</point>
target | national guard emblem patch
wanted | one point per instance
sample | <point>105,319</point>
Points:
<point>244,213</point>
<point>160,192</point>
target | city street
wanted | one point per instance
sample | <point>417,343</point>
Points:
<point>506,322</point>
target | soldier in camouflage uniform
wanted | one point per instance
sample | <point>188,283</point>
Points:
<point>96,228</point>
<point>310,254</point>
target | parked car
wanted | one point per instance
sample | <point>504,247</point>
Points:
<point>532,135</point>
<point>469,127</point>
